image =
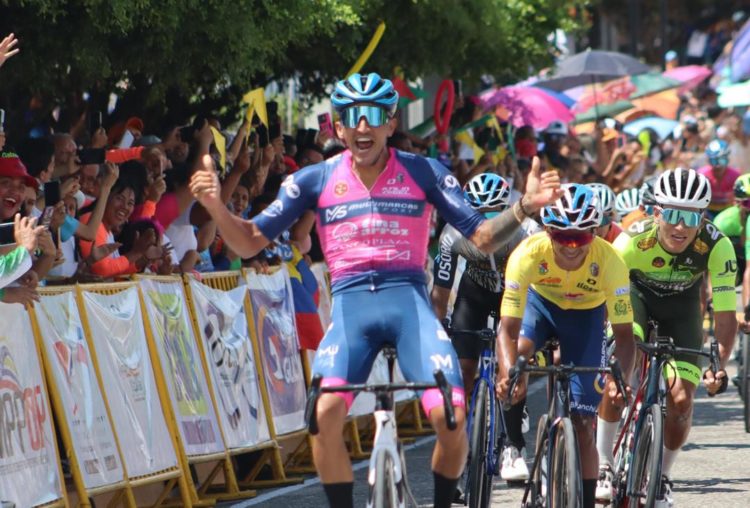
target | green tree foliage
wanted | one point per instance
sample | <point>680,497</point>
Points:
<point>176,54</point>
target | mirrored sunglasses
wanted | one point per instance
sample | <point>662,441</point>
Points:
<point>374,115</point>
<point>674,216</point>
<point>571,239</point>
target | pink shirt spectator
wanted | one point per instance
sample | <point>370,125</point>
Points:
<point>722,191</point>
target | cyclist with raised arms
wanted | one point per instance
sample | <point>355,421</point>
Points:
<point>667,263</point>
<point>479,293</point>
<point>564,283</point>
<point>373,207</point>
<point>609,230</point>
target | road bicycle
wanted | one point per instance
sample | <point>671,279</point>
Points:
<point>485,423</point>
<point>555,478</point>
<point>387,479</point>
<point>639,445</point>
<point>742,380</point>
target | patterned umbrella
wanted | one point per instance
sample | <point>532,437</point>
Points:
<point>526,105</point>
<point>690,75</point>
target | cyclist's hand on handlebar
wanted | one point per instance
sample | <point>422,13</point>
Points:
<point>715,383</point>
<point>503,385</point>
<point>616,397</point>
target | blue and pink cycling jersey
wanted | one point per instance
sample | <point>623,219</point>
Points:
<point>375,244</point>
<point>367,235</point>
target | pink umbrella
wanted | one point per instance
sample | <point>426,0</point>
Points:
<point>526,105</point>
<point>690,75</point>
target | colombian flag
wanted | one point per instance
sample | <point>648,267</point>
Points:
<point>306,296</point>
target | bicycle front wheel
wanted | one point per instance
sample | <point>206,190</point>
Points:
<point>645,473</point>
<point>745,379</point>
<point>384,493</point>
<point>565,474</point>
<point>480,484</point>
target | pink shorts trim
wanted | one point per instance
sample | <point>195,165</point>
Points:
<point>432,398</point>
<point>337,381</point>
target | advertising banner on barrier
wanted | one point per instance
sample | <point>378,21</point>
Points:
<point>121,350</point>
<point>27,447</point>
<point>182,367</point>
<point>273,314</point>
<point>231,361</point>
<point>74,377</point>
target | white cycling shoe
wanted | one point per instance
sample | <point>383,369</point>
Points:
<point>514,468</point>
<point>665,499</point>
<point>604,484</point>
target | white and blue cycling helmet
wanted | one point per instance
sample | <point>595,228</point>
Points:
<point>627,201</point>
<point>487,190</point>
<point>577,209</point>
<point>606,196</point>
<point>361,89</point>
<point>718,152</point>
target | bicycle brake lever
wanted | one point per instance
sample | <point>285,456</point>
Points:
<point>311,411</point>
<point>445,390</point>
<point>616,371</point>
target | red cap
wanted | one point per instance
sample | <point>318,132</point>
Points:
<point>11,166</point>
<point>290,164</point>
<point>134,123</point>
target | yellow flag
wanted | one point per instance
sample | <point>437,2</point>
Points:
<point>466,139</point>
<point>256,101</point>
<point>221,146</point>
<point>362,60</point>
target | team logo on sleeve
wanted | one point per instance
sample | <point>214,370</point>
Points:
<point>274,209</point>
<point>700,246</point>
<point>450,182</point>
<point>594,269</point>
<point>658,262</point>
<point>543,268</point>
<point>291,188</point>
<point>340,189</point>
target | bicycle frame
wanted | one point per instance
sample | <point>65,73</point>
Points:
<point>386,441</point>
<point>487,369</point>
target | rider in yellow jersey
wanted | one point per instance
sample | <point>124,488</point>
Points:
<point>564,283</point>
<point>667,263</point>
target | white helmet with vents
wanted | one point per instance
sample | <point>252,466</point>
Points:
<point>683,187</point>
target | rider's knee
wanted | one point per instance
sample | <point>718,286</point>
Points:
<point>682,402</point>
<point>331,413</point>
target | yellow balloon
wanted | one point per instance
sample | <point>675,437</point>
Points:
<point>362,60</point>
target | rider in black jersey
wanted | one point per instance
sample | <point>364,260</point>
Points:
<point>479,293</point>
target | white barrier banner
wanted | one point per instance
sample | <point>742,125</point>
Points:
<point>231,361</point>
<point>182,367</point>
<point>273,314</point>
<point>28,463</point>
<point>75,378</point>
<point>121,349</point>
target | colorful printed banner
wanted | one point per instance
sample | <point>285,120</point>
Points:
<point>273,314</point>
<point>182,367</point>
<point>74,377</point>
<point>27,447</point>
<point>121,350</point>
<point>231,361</point>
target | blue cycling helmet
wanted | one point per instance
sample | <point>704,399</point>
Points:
<point>487,190</point>
<point>717,152</point>
<point>370,88</point>
<point>578,208</point>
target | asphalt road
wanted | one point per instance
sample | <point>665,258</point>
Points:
<point>713,469</point>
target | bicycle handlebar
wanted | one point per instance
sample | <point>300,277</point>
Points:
<point>441,383</point>
<point>522,365</point>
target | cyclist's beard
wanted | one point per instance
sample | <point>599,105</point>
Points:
<point>371,159</point>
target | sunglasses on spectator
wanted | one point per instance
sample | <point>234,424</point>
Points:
<point>719,161</point>
<point>674,216</point>
<point>571,239</point>
<point>374,115</point>
<point>745,203</point>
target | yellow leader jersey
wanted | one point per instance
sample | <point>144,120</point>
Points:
<point>603,277</point>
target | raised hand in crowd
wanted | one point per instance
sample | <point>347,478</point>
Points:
<point>26,232</point>
<point>58,216</point>
<point>155,188</point>
<point>69,186</point>
<point>542,189</point>
<point>7,48</point>
<point>99,138</point>
<point>110,176</point>
<point>141,245</point>
<point>204,184</point>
